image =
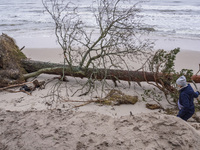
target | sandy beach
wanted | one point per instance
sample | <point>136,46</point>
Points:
<point>42,121</point>
<point>54,116</point>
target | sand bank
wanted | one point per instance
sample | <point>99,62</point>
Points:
<point>67,130</point>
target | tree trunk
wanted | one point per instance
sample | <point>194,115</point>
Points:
<point>35,68</point>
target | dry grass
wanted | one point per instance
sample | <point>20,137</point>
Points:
<point>11,70</point>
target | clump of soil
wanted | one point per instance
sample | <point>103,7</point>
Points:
<point>10,55</point>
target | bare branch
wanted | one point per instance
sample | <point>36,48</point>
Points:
<point>113,40</point>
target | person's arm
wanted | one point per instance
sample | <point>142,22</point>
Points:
<point>185,103</point>
<point>196,94</point>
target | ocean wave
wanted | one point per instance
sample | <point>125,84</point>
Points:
<point>170,8</point>
<point>176,17</point>
<point>177,2</point>
<point>12,25</point>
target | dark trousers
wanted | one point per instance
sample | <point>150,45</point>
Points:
<point>187,115</point>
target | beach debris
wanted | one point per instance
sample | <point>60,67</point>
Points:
<point>13,86</point>
<point>152,106</point>
<point>116,97</point>
<point>171,111</point>
<point>37,84</point>
<point>25,88</point>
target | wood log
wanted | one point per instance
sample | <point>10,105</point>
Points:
<point>196,78</point>
<point>35,68</point>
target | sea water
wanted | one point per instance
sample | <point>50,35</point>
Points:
<point>27,19</point>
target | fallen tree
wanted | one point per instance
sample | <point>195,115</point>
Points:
<point>35,68</point>
<point>15,67</point>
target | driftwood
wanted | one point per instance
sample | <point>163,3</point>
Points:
<point>13,86</point>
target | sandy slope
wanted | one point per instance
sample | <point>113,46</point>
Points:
<point>87,130</point>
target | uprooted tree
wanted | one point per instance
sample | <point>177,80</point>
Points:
<point>113,42</point>
<point>105,52</point>
<point>158,70</point>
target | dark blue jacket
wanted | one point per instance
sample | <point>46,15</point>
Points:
<point>186,99</point>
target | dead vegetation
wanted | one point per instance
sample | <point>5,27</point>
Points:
<point>153,106</point>
<point>11,71</point>
<point>116,97</point>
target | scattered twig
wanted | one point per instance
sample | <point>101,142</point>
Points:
<point>76,101</point>
<point>83,104</point>
<point>12,91</point>
<point>13,86</point>
<point>22,48</point>
<point>198,70</point>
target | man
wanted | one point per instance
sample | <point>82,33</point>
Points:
<point>186,98</point>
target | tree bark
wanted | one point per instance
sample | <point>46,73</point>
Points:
<point>35,68</point>
<point>196,78</point>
